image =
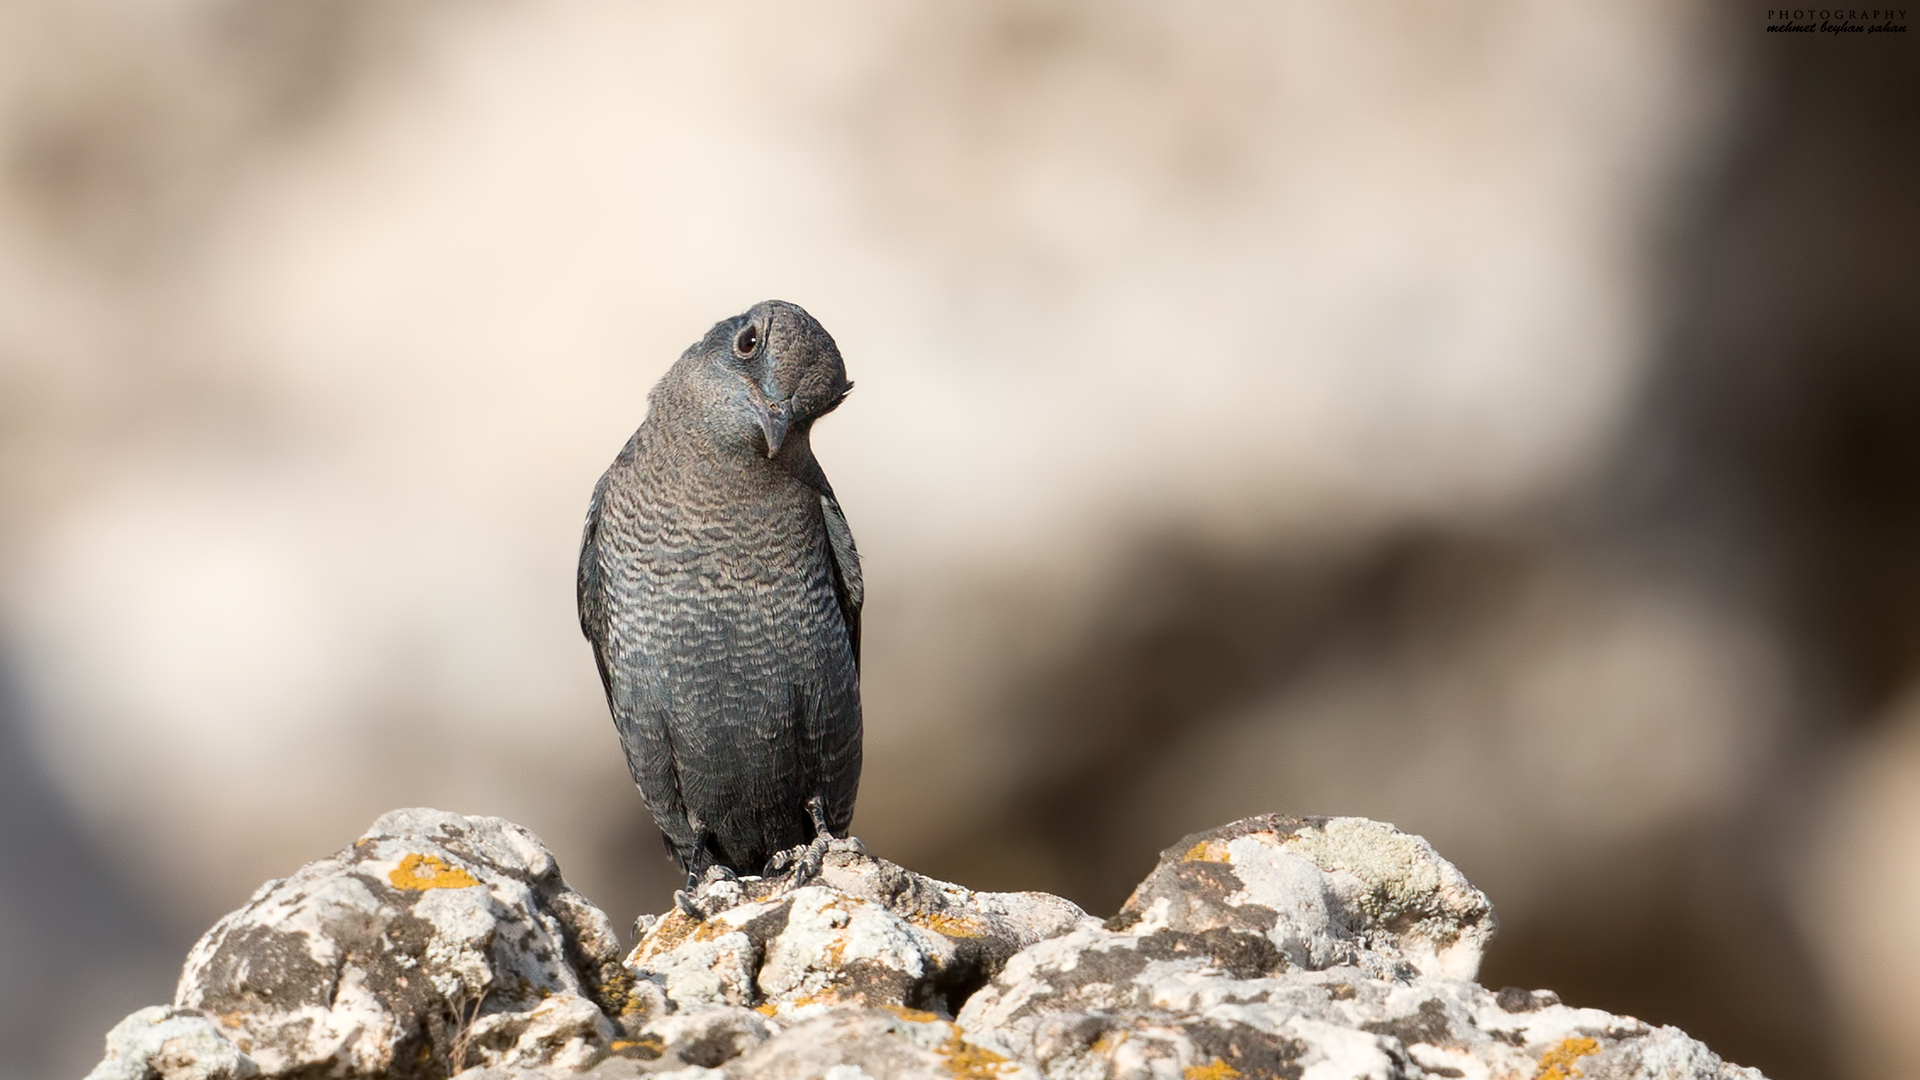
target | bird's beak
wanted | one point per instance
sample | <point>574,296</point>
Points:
<point>775,418</point>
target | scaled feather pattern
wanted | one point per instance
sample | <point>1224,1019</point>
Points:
<point>720,589</point>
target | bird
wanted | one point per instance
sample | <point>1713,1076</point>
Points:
<point>720,589</point>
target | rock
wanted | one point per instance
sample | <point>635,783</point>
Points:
<point>1287,946</point>
<point>171,1044</point>
<point>875,1044</point>
<point>1305,948</point>
<point>1189,1016</point>
<point>817,1042</point>
<point>434,939</point>
<point>1322,891</point>
<point>863,932</point>
<point>565,1031</point>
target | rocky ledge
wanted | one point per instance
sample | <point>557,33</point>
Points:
<point>1306,948</point>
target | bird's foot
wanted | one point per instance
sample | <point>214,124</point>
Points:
<point>817,811</point>
<point>717,872</point>
<point>687,906</point>
<point>816,856</point>
<point>806,859</point>
<point>800,863</point>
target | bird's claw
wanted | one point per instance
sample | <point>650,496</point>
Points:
<point>816,855</point>
<point>687,907</point>
<point>802,862</point>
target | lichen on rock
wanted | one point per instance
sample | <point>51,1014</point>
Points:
<point>171,1044</point>
<point>862,933</point>
<point>1296,947</point>
<point>1304,948</point>
<point>1323,891</point>
<point>433,940</point>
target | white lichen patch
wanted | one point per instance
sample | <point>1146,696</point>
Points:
<point>1341,1053</point>
<point>180,1044</point>
<point>712,970</point>
<point>828,935</point>
<point>1407,897</point>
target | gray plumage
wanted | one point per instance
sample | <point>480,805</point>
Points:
<point>720,589</point>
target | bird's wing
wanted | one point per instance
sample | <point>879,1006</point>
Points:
<point>835,744</point>
<point>589,590</point>
<point>846,567</point>
<point>647,739</point>
<point>637,712</point>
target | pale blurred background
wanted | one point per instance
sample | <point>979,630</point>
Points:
<point>1502,420</point>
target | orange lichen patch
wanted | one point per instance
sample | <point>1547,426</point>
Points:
<point>952,926</point>
<point>1208,851</point>
<point>667,934</point>
<point>829,996</point>
<point>1559,1062</point>
<point>918,1016</point>
<point>646,1047</point>
<point>232,1019</point>
<point>1217,1069</point>
<point>711,929</point>
<point>422,872</point>
<point>614,989</point>
<point>967,1060</point>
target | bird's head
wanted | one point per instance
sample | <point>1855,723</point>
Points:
<point>769,374</point>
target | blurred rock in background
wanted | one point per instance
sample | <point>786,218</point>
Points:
<point>1494,421</point>
<point>77,937</point>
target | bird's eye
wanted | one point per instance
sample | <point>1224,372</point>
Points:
<point>747,342</point>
